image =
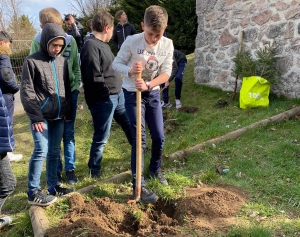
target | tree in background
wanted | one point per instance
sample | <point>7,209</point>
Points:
<point>21,28</point>
<point>11,20</point>
<point>182,25</point>
<point>87,8</point>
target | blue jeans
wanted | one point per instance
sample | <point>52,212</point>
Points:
<point>178,82</point>
<point>69,139</point>
<point>103,113</point>
<point>10,104</point>
<point>46,144</point>
<point>7,179</point>
<point>152,115</point>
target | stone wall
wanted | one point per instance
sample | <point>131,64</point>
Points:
<point>263,21</point>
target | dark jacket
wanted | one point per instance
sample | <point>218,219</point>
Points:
<point>178,56</point>
<point>8,84</point>
<point>98,78</point>
<point>7,142</point>
<point>121,32</point>
<point>77,33</point>
<point>45,87</point>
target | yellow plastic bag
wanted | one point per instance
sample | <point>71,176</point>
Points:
<point>254,92</point>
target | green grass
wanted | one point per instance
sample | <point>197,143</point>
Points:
<point>264,162</point>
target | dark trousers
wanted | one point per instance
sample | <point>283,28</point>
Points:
<point>178,82</point>
<point>152,115</point>
<point>7,179</point>
<point>10,104</point>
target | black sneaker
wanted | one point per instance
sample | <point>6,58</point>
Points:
<point>94,175</point>
<point>147,196</point>
<point>71,177</point>
<point>159,176</point>
<point>59,179</point>
<point>60,191</point>
<point>41,199</point>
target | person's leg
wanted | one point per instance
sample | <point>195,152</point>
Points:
<point>69,144</point>
<point>37,158</point>
<point>154,119</point>
<point>165,94</point>
<point>68,137</point>
<point>10,104</point>
<point>130,105</point>
<point>147,196</point>
<point>102,114</point>
<point>178,79</point>
<point>7,179</point>
<point>55,134</point>
<point>121,117</point>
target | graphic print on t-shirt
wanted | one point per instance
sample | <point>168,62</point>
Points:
<point>151,68</point>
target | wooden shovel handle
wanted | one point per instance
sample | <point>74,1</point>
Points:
<point>138,184</point>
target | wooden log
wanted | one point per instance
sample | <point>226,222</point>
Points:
<point>119,178</point>
<point>39,221</point>
<point>232,135</point>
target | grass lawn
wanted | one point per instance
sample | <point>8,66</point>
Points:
<point>264,162</point>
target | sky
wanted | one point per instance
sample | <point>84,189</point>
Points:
<point>31,8</point>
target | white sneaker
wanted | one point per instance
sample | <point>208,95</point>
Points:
<point>14,157</point>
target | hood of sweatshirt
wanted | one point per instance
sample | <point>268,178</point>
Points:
<point>50,32</point>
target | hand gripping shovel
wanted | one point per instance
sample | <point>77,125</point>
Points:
<point>138,178</point>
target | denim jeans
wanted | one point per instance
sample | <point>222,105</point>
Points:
<point>152,115</point>
<point>178,82</point>
<point>46,145</point>
<point>69,139</point>
<point>10,104</point>
<point>103,113</point>
<point>7,179</point>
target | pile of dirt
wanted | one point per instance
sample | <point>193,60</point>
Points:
<point>201,210</point>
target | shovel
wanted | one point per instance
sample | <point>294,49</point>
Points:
<point>138,178</point>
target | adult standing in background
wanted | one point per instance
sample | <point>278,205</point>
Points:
<point>122,30</point>
<point>75,29</point>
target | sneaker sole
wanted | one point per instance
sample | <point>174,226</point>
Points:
<point>42,204</point>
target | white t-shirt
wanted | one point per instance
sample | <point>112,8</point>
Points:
<point>156,59</point>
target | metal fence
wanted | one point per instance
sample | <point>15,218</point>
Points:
<point>20,50</point>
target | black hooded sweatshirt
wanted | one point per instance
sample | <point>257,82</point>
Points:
<point>45,88</point>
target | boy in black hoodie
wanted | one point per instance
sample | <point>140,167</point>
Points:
<point>46,98</point>
<point>102,88</point>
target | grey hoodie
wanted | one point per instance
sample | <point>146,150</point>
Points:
<point>45,87</point>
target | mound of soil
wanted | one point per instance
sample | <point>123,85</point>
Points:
<point>201,210</point>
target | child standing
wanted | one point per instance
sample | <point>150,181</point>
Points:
<point>122,30</point>
<point>46,98</point>
<point>8,83</point>
<point>70,52</point>
<point>7,177</point>
<point>102,88</point>
<point>150,53</point>
<point>177,73</point>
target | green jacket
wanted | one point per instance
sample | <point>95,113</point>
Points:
<point>70,53</point>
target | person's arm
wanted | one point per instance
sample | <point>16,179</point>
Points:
<point>133,30</point>
<point>28,95</point>
<point>174,70</point>
<point>35,46</point>
<point>69,109</point>
<point>115,38</point>
<point>8,83</point>
<point>75,66</point>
